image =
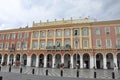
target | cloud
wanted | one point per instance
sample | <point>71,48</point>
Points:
<point>19,13</point>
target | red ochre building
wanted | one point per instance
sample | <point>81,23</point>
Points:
<point>70,42</point>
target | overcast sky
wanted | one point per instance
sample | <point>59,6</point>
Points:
<point>19,13</point>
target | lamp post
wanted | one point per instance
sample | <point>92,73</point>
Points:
<point>76,45</point>
<point>21,61</point>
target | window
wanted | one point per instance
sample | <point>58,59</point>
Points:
<point>18,46</point>
<point>12,45</point>
<point>13,36</point>
<point>67,42</point>
<point>42,44</point>
<point>58,43</point>
<point>107,30</point>
<point>19,35</point>
<point>26,35</point>
<point>50,43</point>
<point>66,32</point>
<point>97,31</point>
<point>118,43</point>
<point>85,43</point>
<point>98,43</point>
<point>1,45</point>
<point>34,44</point>
<point>35,34</point>
<point>6,45</point>
<point>1,37</point>
<point>117,30</point>
<point>59,33</point>
<point>85,32</point>
<point>43,34</point>
<point>7,36</point>
<point>24,45</point>
<point>76,43</point>
<point>50,33</point>
<point>76,32</point>
<point>108,43</point>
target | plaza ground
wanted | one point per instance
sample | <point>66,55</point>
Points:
<point>54,74</point>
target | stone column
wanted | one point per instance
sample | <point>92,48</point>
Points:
<point>2,59</point>
<point>91,62</point>
<point>53,62</point>
<point>21,60</point>
<point>14,58</point>
<point>71,61</point>
<point>8,59</point>
<point>81,61</point>
<point>28,60</point>
<point>45,61</point>
<point>62,59</point>
<point>104,62</point>
<point>115,60</point>
<point>37,61</point>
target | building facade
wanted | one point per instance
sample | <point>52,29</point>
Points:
<point>70,42</point>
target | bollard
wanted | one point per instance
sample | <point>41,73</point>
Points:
<point>0,77</point>
<point>113,75</point>
<point>46,72</point>
<point>10,69</point>
<point>94,74</point>
<point>77,73</point>
<point>0,68</point>
<point>61,73</point>
<point>33,71</point>
<point>21,70</point>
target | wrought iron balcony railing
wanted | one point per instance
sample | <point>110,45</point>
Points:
<point>67,47</point>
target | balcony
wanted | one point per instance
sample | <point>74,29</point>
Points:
<point>67,47</point>
<point>11,49</point>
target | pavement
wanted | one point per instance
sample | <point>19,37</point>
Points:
<point>54,74</point>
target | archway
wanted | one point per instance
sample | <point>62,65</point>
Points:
<point>57,60</point>
<point>76,60</point>
<point>86,61</point>
<point>41,60</point>
<point>99,61</point>
<point>49,61</point>
<point>67,60</point>
<point>17,59</point>
<point>11,59</point>
<point>33,60</point>
<point>109,58</point>
<point>24,59</point>
<point>118,60</point>
<point>0,58</point>
<point>5,59</point>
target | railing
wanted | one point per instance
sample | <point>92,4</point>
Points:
<point>58,48</point>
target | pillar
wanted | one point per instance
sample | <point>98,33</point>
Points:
<point>91,62</point>
<point>62,59</point>
<point>53,62</point>
<point>14,58</point>
<point>8,59</point>
<point>2,59</point>
<point>37,61</point>
<point>21,60</point>
<point>104,62</point>
<point>71,61</point>
<point>28,60</point>
<point>115,60</point>
<point>45,61</point>
<point>81,62</point>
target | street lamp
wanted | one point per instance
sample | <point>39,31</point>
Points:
<point>76,45</point>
